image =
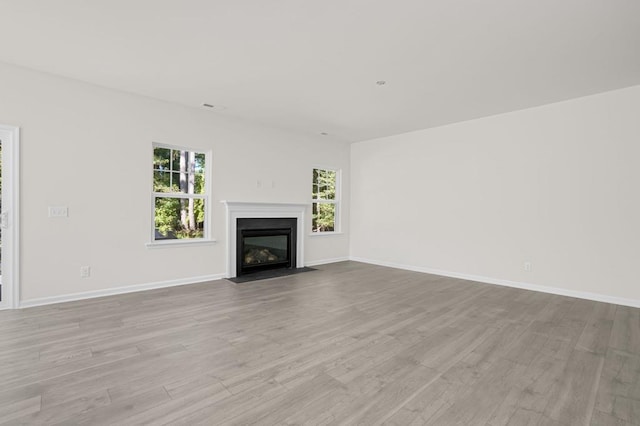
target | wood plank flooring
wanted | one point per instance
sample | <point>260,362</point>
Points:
<point>349,343</point>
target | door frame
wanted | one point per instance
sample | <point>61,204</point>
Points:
<point>10,216</point>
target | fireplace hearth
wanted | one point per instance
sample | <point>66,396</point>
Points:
<point>265,244</point>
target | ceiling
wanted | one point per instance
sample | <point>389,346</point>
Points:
<point>312,66</point>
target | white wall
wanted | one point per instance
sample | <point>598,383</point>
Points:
<point>90,148</point>
<point>557,185</point>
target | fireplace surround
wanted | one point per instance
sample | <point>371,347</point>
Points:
<point>238,209</point>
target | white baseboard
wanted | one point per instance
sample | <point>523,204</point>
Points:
<point>195,280</point>
<point>506,283</point>
<point>117,290</point>
<point>325,261</point>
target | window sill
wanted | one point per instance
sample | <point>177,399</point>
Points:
<point>320,234</point>
<point>180,243</point>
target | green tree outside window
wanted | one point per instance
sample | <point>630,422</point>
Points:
<point>179,193</point>
<point>324,200</point>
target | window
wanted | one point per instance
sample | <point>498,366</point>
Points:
<point>180,194</point>
<point>325,200</point>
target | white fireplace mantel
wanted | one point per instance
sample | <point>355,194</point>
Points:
<point>241,209</point>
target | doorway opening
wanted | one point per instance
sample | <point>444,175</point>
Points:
<point>9,217</point>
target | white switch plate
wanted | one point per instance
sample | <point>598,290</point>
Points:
<point>527,266</point>
<point>58,211</point>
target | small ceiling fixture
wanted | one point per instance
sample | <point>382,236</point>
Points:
<point>381,82</point>
<point>324,133</point>
<point>214,107</point>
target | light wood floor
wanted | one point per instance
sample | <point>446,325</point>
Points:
<point>347,344</point>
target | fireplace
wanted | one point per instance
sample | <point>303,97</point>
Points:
<point>243,210</point>
<point>265,243</point>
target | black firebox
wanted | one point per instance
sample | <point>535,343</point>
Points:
<point>265,243</point>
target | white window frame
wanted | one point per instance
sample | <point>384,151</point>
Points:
<point>206,197</point>
<point>337,202</point>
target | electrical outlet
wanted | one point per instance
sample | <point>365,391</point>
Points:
<point>58,211</point>
<point>527,266</point>
<point>85,271</point>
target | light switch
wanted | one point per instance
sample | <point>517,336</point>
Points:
<point>58,211</point>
